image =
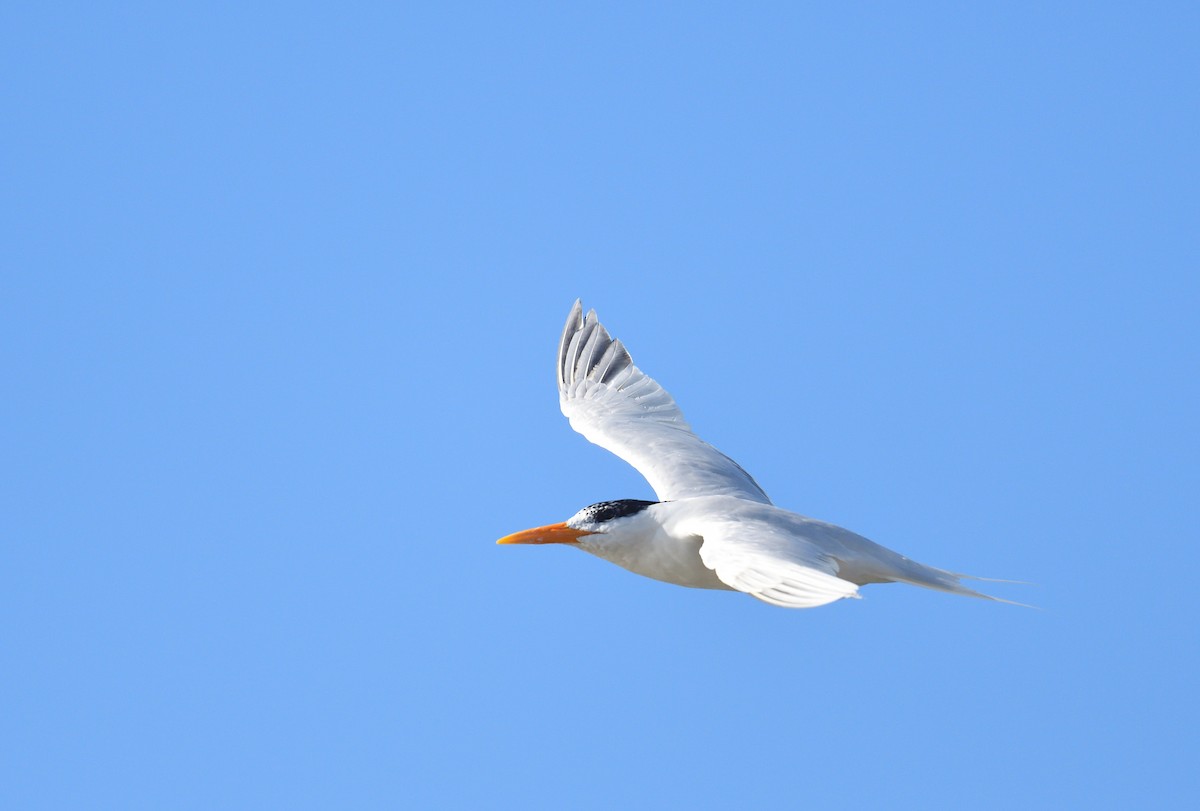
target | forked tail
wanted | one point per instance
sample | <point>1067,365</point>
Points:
<point>918,574</point>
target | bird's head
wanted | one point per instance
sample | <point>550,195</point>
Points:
<point>613,519</point>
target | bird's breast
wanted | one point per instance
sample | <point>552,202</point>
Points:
<point>662,557</point>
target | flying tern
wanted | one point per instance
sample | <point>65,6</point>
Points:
<point>712,527</point>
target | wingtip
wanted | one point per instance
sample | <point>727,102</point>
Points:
<point>573,325</point>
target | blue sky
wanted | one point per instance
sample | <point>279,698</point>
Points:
<point>282,288</point>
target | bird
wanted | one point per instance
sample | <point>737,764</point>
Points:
<point>712,525</point>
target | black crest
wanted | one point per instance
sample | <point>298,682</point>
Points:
<point>608,510</point>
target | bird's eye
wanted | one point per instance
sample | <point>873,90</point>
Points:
<point>606,511</point>
<point>609,510</point>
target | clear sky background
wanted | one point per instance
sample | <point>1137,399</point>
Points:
<point>280,298</point>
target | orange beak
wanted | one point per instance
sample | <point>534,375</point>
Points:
<point>551,533</point>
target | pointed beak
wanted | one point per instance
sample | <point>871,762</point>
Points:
<point>551,533</point>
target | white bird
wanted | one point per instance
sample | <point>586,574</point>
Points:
<point>713,527</point>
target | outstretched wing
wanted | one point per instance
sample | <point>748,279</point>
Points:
<point>772,564</point>
<point>616,406</point>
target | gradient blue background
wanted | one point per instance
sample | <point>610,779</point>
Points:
<point>280,298</point>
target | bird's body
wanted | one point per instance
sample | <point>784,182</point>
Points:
<point>713,527</point>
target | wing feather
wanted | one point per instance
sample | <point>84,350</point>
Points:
<point>771,564</point>
<point>618,407</point>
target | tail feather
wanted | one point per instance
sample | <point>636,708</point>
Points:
<point>918,574</point>
<point>994,579</point>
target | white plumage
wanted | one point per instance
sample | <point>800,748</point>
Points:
<point>713,526</point>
